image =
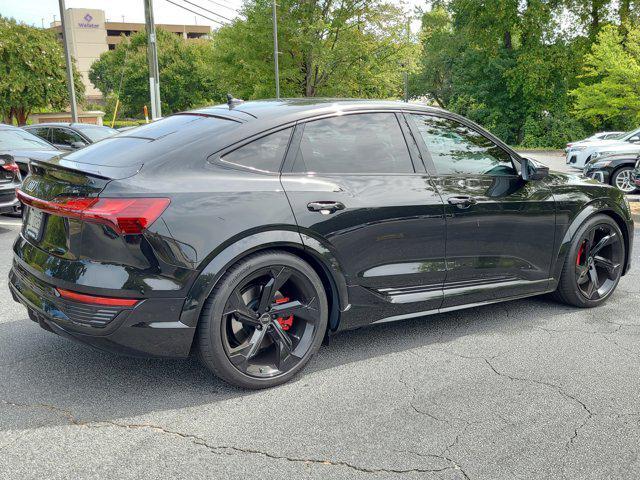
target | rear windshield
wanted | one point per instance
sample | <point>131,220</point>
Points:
<point>166,126</point>
<point>143,144</point>
<point>97,133</point>
<point>21,140</point>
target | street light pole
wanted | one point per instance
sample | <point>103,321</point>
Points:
<point>67,57</point>
<point>275,49</point>
<point>152,57</point>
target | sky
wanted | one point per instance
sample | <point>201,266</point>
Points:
<point>42,12</point>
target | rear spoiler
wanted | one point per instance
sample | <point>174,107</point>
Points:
<point>102,171</point>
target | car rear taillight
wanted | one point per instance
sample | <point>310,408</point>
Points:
<point>10,167</point>
<point>129,216</point>
<point>95,300</point>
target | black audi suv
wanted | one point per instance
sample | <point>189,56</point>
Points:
<point>250,232</point>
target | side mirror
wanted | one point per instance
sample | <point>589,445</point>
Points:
<point>531,170</point>
<point>635,139</point>
<point>77,145</point>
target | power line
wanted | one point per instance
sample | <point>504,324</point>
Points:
<point>197,13</point>
<point>223,5</point>
<point>207,10</point>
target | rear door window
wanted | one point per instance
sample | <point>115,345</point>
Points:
<point>63,136</point>
<point>264,154</point>
<point>367,143</point>
<point>42,132</point>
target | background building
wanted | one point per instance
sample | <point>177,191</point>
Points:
<point>90,34</point>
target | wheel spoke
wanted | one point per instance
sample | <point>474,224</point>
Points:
<point>307,312</point>
<point>280,336</point>
<point>266,296</point>
<point>241,356</point>
<point>241,312</point>
<point>611,267</point>
<point>581,274</point>
<point>593,283</point>
<point>604,241</point>
<point>279,277</point>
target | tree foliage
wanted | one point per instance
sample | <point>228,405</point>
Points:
<point>32,72</point>
<point>328,48</point>
<point>611,94</point>
<point>511,65</point>
<point>186,73</point>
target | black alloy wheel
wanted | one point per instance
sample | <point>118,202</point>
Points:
<point>594,265</point>
<point>265,322</point>
<point>598,262</point>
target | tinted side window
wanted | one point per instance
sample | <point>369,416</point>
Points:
<point>63,136</point>
<point>42,132</point>
<point>264,154</point>
<point>457,149</point>
<point>362,143</point>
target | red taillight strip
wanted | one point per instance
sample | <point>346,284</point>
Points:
<point>125,215</point>
<point>92,299</point>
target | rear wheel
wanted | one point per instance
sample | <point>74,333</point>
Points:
<point>264,320</point>
<point>622,179</point>
<point>593,267</point>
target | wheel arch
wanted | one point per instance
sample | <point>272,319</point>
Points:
<point>216,264</point>
<point>597,207</point>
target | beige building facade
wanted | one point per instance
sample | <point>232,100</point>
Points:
<point>90,34</point>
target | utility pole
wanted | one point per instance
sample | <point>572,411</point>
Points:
<point>152,56</point>
<point>67,56</point>
<point>406,66</point>
<point>275,49</point>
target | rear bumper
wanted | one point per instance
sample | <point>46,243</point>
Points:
<point>150,328</point>
<point>8,201</point>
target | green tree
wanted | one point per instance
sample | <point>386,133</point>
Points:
<point>32,71</point>
<point>350,48</point>
<point>504,63</point>
<point>611,92</point>
<point>186,73</point>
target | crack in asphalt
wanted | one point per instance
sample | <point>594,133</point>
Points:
<point>230,449</point>
<point>455,465</point>
<point>226,449</point>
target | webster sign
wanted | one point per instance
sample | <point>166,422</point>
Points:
<point>87,22</point>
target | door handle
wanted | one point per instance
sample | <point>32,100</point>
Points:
<point>463,201</point>
<point>325,207</point>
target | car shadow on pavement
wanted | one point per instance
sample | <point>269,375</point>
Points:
<point>55,381</point>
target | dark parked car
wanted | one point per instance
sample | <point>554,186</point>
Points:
<point>251,232</point>
<point>9,181</point>
<point>22,146</point>
<point>71,136</point>
<point>616,170</point>
<point>16,148</point>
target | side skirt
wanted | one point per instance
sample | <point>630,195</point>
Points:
<point>458,307</point>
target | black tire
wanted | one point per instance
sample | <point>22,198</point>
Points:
<point>618,178</point>
<point>214,332</point>
<point>569,290</point>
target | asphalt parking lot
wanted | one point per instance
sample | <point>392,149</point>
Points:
<point>528,390</point>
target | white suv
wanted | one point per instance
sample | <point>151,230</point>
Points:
<point>582,152</point>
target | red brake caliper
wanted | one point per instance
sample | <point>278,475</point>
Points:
<point>580,250</point>
<point>285,323</point>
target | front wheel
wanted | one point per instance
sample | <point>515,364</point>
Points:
<point>622,179</point>
<point>593,266</point>
<point>264,320</point>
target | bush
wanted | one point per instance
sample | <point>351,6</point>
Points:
<point>551,131</point>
